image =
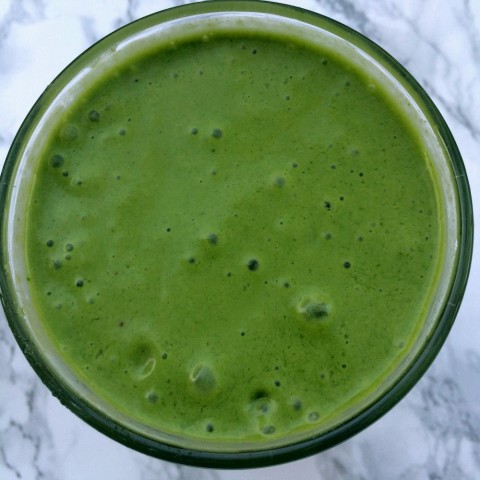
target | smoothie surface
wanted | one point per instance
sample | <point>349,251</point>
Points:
<point>233,238</point>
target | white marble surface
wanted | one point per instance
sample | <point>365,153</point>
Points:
<point>434,433</point>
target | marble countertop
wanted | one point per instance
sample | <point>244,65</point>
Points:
<point>434,433</point>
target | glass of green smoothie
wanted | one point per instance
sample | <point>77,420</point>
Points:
<point>233,234</point>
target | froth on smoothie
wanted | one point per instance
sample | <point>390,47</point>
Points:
<point>233,237</point>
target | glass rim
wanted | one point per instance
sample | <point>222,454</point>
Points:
<point>303,448</point>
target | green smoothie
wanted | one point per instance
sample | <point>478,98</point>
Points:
<point>233,237</point>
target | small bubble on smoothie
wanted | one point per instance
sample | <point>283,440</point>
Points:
<point>347,264</point>
<point>277,383</point>
<point>50,243</point>
<point>253,265</point>
<point>93,116</point>
<point>69,132</point>
<point>294,165</point>
<point>217,133</point>
<point>280,182</point>
<point>324,61</point>
<point>68,247</point>
<point>164,355</point>
<point>57,161</point>
<point>297,405</point>
<point>263,406</point>
<point>122,132</point>
<point>327,204</point>
<point>68,256</point>
<point>146,369</point>
<point>258,394</point>
<point>313,416</point>
<point>65,173</point>
<point>79,283</point>
<point>268,430</point>
<point>313,308</point>
<point>203,378</point>
<point>152,396</point>
<point>209,427</point>
<point>213,239</point>
<point>191,260</point>
<point>57,264</point>
<point>316,311</point>
<point>194,131</point>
